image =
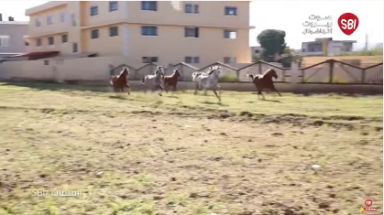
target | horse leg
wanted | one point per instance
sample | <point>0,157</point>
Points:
<point>129,89</point>
<point>174,87</point>
<point>217,95</point>
<point>196,87</point>
<point>260,93</point>
<point>273,88</point>
<point>161,90</point>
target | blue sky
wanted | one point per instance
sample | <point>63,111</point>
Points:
<point>287,15</point>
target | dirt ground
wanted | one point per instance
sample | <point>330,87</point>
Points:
<point>184,154</point>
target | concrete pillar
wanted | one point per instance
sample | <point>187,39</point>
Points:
<point>294,76</point>
<point>110,68</point>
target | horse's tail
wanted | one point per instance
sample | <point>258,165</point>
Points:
<point>195,75</point>
<point>143,80</point>
<point>250,76</point>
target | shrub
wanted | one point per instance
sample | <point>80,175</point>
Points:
<point>229,78</point>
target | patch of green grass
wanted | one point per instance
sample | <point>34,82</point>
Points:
<point>228,78</point>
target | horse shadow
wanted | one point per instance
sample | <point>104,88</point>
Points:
<point>266,100</point>
<point>172,96</point>
<point>214,103</point>
<point>117,97</point>
<point>271,100</point>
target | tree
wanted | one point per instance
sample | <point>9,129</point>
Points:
<point>255,58</point>
<point>272,41</point>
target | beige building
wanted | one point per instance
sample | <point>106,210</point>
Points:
<point>198,33</point>
<point>12,37</point>
<point>326,47</point>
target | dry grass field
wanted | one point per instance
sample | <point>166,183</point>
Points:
<point>182,154</point>
<point>364,60</point>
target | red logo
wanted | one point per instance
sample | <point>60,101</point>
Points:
<point>348,23</point>
<point>368,203</point>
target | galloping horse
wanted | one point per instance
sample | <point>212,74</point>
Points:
<point>208,81</point>
<point>154,81</point>
<point>119,82</point>
<point>264,81</point>
<point>171,80</point>
<point>197,74</point>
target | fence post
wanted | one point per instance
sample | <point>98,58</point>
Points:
<point>294,75</point>
<point>110,68</point>
<point>260,68</point>
<point>363,76</point>
<point>331,64</point>
<point>181,68</point>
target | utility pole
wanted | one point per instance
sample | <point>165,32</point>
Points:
<point>366,42</point>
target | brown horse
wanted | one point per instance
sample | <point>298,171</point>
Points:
<point>119,82</point>
<point>171,80</point>
<point>264,81</point>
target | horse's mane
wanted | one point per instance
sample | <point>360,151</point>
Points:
<point>174,72</point>
<point>268,71</point>
<point>159,69</point>
<point>122,72</point>
<point>213,70</point>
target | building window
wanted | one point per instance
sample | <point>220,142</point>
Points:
<point>94,10</point>
<point>37,22</point>
<point>149,5</point>
<point>113,5</point>
<point>64,38</point>
<point>49,20</point>
<point>113,31</point>
<point>257,52</point>
<point>230,34</point>
<point>192,32</point>
<point>191,8</point>
<point>63,17</point>
<point>95,34</point>
<point>230,11</point>
<point>38,42</point>
<point>149,59</point>
<point>229,60</point>
<point>4,40</point>
<point>149,30</point>
<point>74,47</point>
<point>51,41</point>
<point>73,19</point>
<point>192,59</point>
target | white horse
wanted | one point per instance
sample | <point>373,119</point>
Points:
<point>208,80</point>
<point>154,81</point>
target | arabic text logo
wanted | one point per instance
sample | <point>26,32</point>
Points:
<point>318,25</point>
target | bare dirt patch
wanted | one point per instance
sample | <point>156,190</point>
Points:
<point>149,155</point>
